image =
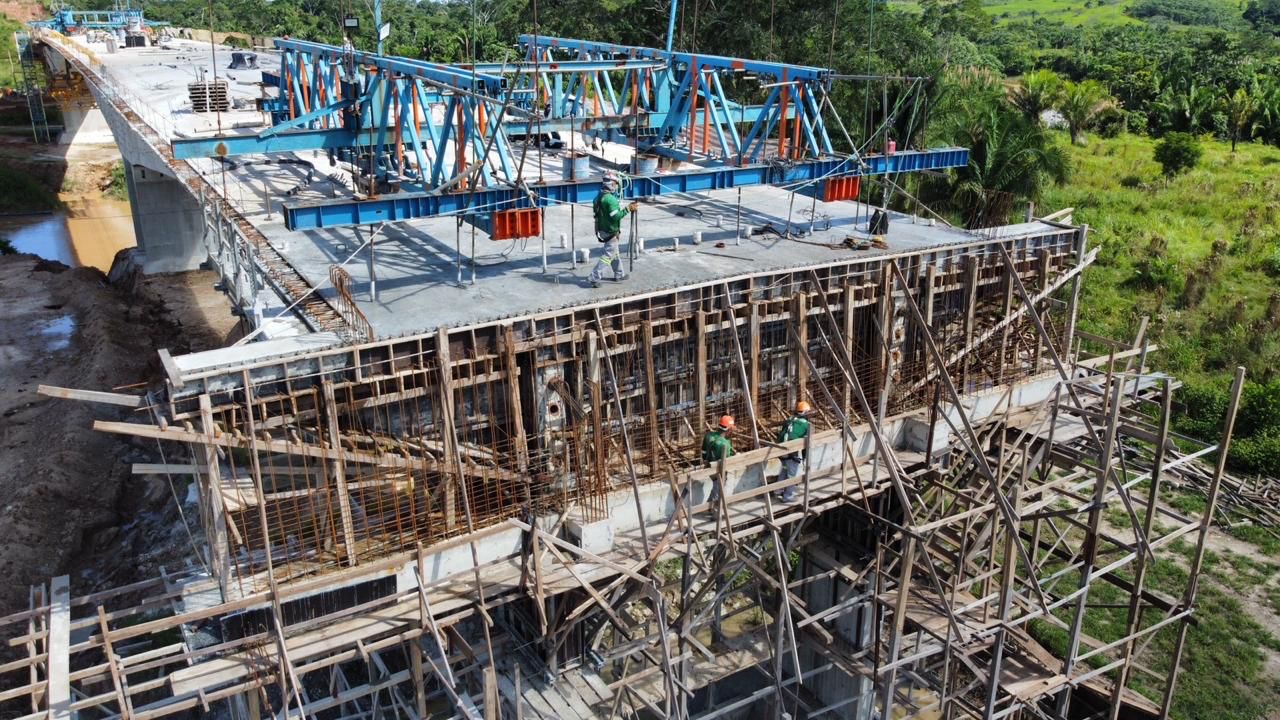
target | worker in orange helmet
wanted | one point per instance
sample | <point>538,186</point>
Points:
<point>716,447</point>
<point>795,428</point>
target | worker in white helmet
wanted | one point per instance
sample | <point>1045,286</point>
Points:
<point>609,212</point>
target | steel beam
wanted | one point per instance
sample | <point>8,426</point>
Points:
<point>408,206</point>
<point>801,73</point>
<point>277,139</point>
<point>433,72</point>
<point>529,67</point>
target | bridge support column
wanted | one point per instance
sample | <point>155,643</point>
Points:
<point>83,123</point>
<point>166,221</point>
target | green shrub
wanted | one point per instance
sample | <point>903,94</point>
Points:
<point>1155,272</point>
<point>1177,152</point>
<point>117,186</point>
<point>1270,261</point>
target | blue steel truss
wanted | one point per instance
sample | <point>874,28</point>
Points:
<point>436,139</point>
<point>685,99</point>
<point>67,20</point>
<point>408,206</point>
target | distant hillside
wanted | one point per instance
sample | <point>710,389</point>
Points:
<point>22,10</point>
<point>1205,13</point>
<point>1069,12</point>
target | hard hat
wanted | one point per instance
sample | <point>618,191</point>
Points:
<point>802,407</point>
<point>726,422</point>
<point>610,179</point>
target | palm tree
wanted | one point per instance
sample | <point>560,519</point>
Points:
<point>1082,104</point>
<point>1010,156</point>
<point>1240,108</point>
<point>1267,113</point>
<point>1038,92</point>
<point>1185,106</point>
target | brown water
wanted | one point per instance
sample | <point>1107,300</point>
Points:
<point>90,231</point>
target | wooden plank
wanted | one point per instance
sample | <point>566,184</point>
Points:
<point>219,550</point>
<point>588,693</point>
<point>513,396</point>
<point>168,469</point>
<point>570,695</point>
<point>970,310</point>
<point>170,368</point>
<point>651,396</point>
<point>754,344</point>
<point>176,434</point>
<point>448,431</point>
<point>594,682</point>
<point>59,684</point>
<point>700,368</point>
<point>849,313</point>
<point>339,473</point>
<point>96,396</point>
<point>1004,333</point>
<point>490,693</point>
<point>800,320</point>
<point>524,708</point>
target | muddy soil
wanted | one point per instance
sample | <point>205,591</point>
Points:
<point>70,503</point>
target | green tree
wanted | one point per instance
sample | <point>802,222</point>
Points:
<point>1011,158</point>
<point>1240,108</point>
<point>1264,15</point>
<point>1082,104</point>
<point>1039,91</point>
<point>1267,115</point>
<point>1177,152</point>
<point>1183,105</point>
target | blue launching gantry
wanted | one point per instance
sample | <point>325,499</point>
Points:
<point>436,139</point>
<point>67,21</point>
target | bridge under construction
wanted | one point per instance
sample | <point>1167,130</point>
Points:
<point>448,478</point>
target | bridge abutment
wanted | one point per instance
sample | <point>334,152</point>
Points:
<point>167,218</point>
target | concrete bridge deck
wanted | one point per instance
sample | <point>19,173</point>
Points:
<point>417,275</point>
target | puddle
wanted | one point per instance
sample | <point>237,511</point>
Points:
<point>43,235</point>
<point>89,232</point>
<point>57,332</point>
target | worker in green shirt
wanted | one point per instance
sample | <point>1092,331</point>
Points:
<point>609,212</point>
<point>795,428</point>
<point>716,447</point>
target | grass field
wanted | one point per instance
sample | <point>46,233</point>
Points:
<point>1213,228</point>
<point>1066,12</point>
<point>10,75</point>
<point>1216,223</point>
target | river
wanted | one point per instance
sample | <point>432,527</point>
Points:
<point>89,231</point>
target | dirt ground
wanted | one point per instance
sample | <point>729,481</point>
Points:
<point>70,503</point>
<point>81,168</point>
<point>22,10</point>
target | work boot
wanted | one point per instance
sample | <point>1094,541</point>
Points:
<point>619,278</point>
<point>788,496</point>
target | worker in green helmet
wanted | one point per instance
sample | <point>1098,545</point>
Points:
<point>609,212</point>
<point>716,446</point>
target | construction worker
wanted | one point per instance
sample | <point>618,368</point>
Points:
<point>795,428</point>
<point>609,212</point>
<point>716,447</point>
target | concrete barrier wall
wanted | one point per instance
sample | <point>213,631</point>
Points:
<point>245,39</point>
